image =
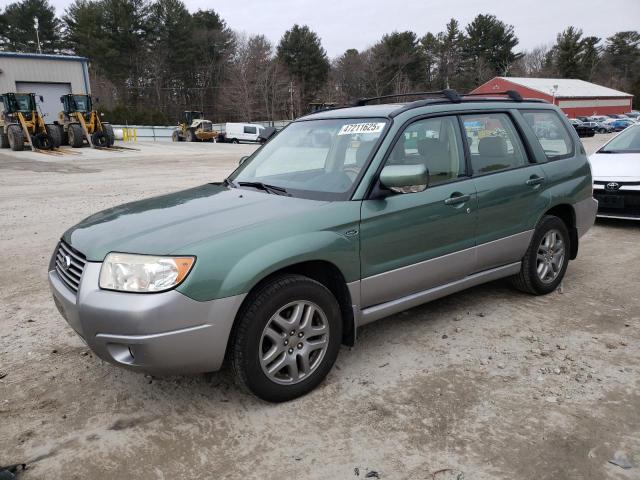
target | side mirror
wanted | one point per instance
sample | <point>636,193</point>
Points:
<point>405,178</point>
<point>243,159</point>
<point>41,98</point>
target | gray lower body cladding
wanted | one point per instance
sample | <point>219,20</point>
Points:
<point>585,214</point>
<point>161,333</point>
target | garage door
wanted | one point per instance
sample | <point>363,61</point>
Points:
<point>51,93</point>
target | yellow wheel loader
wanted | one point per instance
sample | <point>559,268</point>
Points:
<point>21,123</point>
<point>79,121</point>
<point>194,128</point>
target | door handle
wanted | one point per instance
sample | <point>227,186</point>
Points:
<point>535,180</point>
<point>456,199</point>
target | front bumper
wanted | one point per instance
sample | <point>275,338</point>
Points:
<point>160,333</point>
<point>623,203</point>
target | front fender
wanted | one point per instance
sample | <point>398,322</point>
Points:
<point>324,246</point>
<point>232,264</point>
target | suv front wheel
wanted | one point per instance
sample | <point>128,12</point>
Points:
<point>546,260</point>
<point>287,338</point>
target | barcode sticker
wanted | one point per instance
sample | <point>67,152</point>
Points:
<point>352,128</point>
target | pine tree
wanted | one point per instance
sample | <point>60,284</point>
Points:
<point>568,53</point>
<point>18,27</point>
<point>301,51</point>
<point>489,48</point>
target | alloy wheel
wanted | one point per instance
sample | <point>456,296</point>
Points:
<point>550,257</point>
<point>294,342</point>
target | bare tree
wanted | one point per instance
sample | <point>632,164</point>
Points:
<point>255,86</point>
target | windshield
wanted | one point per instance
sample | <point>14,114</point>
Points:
<point>317,159</point>
<point>82,103</point>
<point>24,103</point>
<point>627,141</point>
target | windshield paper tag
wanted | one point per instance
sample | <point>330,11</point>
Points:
<point>353,128</point>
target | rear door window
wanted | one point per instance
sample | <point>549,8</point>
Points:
<point>494,143</point>
<point>551,133</point>
<point>251,130</point>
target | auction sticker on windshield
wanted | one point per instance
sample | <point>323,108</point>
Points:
<point>352,128</point>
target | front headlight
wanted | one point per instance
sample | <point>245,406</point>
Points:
<point>143,273</point>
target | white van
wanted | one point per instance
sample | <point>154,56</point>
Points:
<point>242,132</point>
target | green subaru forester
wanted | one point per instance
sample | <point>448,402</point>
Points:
<point>344,217</point>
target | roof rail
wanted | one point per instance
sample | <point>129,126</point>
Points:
<point>512,94</point>
<point>449,94</point>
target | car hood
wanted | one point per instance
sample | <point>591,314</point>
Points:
<point>615,166</point>
<point>161,225</point>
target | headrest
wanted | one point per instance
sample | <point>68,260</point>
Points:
<point>431,147</point>
<point>492,147</point>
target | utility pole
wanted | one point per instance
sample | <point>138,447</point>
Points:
<point>291,94</point>
<point>36,25</point>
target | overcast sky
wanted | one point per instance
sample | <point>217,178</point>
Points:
<point>344,24</point>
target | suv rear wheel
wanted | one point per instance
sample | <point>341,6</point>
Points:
<point>287,338</point>
<point>546,260</point>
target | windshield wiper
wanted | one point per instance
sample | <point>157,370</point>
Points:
<point>266,187</point>
<point>229,183</point>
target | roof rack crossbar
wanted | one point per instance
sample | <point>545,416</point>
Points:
<point>450,94</point>
<point>512,94</point>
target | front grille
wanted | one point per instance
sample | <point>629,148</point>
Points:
<point>69,265</point>
<point>624,202</point>
<point>620,184</point>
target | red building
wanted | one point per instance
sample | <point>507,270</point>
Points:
<point>574,97</point>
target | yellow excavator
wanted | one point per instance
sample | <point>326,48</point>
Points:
<point>79,121</point>
<point>21,123</point>
<point>194,128</point>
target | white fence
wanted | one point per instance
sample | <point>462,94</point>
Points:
<point>150,133</point>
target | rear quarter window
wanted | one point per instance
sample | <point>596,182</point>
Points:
<point>550,132</point>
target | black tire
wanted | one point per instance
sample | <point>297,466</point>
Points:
<point>235,140</point>
<point>108,131</point>
<point>100,140</point>
<point>252,319</point>
<point>4,139</point>
<point>191,137</point>
<point>43,141</point>
<point>528,279</point>
<point>16,138</point>
<point>175,137</point>
<point>64,136</point>
<point>76,135</point>
<point>55,134</point>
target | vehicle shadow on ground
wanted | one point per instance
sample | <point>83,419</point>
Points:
<point>428,320</point>
<point>618,223</point>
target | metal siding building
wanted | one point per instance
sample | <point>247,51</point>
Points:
<point>48,75</point>
<point>574,97</point>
